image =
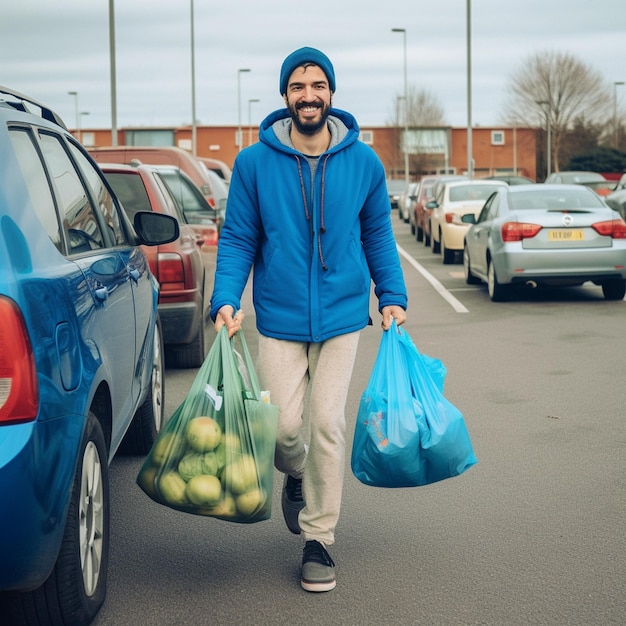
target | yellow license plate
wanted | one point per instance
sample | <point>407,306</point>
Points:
<point>566,234</point>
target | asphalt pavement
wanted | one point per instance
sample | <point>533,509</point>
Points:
<point>533,534</point>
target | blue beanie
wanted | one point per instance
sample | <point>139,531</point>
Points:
<point>300,57</point>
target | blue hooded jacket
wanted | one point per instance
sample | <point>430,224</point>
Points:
<point>315,246</point>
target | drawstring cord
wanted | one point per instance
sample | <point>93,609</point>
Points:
<point>322,228</point>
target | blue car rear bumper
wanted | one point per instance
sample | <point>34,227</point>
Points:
<point>38,463</point>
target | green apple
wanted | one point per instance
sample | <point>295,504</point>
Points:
<point>172,488</point>
<point>203,433</point>
<point>204,490</point>
<point>249,502</point>
<point>241,475</point>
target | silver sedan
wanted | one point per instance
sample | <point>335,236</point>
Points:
<point>553,235</point>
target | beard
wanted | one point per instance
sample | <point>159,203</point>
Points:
<point>309,127</point>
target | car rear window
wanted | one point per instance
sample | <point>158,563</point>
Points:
<point>555,199</point>
<point>130,191</point>
<point>471,192</point>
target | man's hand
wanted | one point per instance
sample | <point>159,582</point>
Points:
<point>227,316</point>
<point>390,313</point>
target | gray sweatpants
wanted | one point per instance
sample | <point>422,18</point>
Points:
<point>311,447</point>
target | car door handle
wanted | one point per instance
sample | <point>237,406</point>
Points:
<point>134,274</point>
<point>102,293</point>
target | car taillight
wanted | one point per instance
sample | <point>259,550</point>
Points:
<point>211,202</point>
<point>19,394</point>
<point>454,218</point>
<point>171,272</point>
<point>516,231</point>
<point>611,228</point>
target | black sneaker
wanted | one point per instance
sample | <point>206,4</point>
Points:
<point>292,502</point>
<point>318,569</point>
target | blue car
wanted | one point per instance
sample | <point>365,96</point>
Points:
<point>81,363</point>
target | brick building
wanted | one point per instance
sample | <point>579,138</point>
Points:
<point>496,150</point>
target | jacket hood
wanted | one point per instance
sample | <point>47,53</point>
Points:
<point>275,126</point>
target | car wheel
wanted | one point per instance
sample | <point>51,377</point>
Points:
<point>447,256</point>
<point>426,239</point>
<point>497,291</point>
<point>76,588</point>
<point>614,289</point>
<point>148,419</point>
<point>412,225</point>
<point>470,279</point>
<point>419,234</point>
<point>435,246</point>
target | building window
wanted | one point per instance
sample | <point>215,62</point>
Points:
<point>497,137</point>
<point>367,136</point>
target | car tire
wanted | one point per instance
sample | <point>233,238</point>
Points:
<point>447,256</point>
<point>419,234</point>
<point>191,354</point>
<point>148,419</point>
<point>426,239</point>
<point>435,246</point>
<point>76,588</point>
<point>614,289</point>
<point>497,291</point>
<point>470,279</point>
<point>412,225</point>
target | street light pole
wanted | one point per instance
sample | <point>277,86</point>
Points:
<point>616,84</point>
<point>470,155</point>
<point>77,116</point>
<point>250,101</point>
<point>239,72</point>
<point>405,140</point>
<point>193,87</point>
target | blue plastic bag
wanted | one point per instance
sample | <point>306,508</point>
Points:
<point>407,433</point>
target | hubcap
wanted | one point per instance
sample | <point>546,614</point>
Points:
<point>91,518</point>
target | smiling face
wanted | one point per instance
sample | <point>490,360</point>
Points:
<point>308,98</point>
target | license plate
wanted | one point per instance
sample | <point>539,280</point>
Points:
<point>566,234</point>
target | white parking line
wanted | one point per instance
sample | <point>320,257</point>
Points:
<point>439,288</point>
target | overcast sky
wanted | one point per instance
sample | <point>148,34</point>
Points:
<point>50,47</point>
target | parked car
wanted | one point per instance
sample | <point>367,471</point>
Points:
<point>178,266</point>
<point>394,188</point>
<point>159,155</point>
<point>217,166</point>
<point>511,179</point>
<point>617,200</point>
<point>593,180</point>
<point>220,193</point>
<point>422,195</point>
<point>205,220</point>
<point>553,235</point>
<point>406,201</point>
<point>81,363</point>
<point>456,200</point>
<point>439,181</point>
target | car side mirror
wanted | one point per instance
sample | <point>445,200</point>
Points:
<point>154,229</point>
<point>468,218</point>
<point>432,204</point>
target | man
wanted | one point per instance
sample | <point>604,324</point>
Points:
<point>308,209</point>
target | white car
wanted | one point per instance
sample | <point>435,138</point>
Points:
<point>454,200</point>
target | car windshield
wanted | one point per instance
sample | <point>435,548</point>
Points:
<point>471,192</point>
<point>555,199</point>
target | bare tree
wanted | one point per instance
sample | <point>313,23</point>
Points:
<point>424,111</point>
<point>552,90</point>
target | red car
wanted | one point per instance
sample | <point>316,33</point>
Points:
<point>178,266</point>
